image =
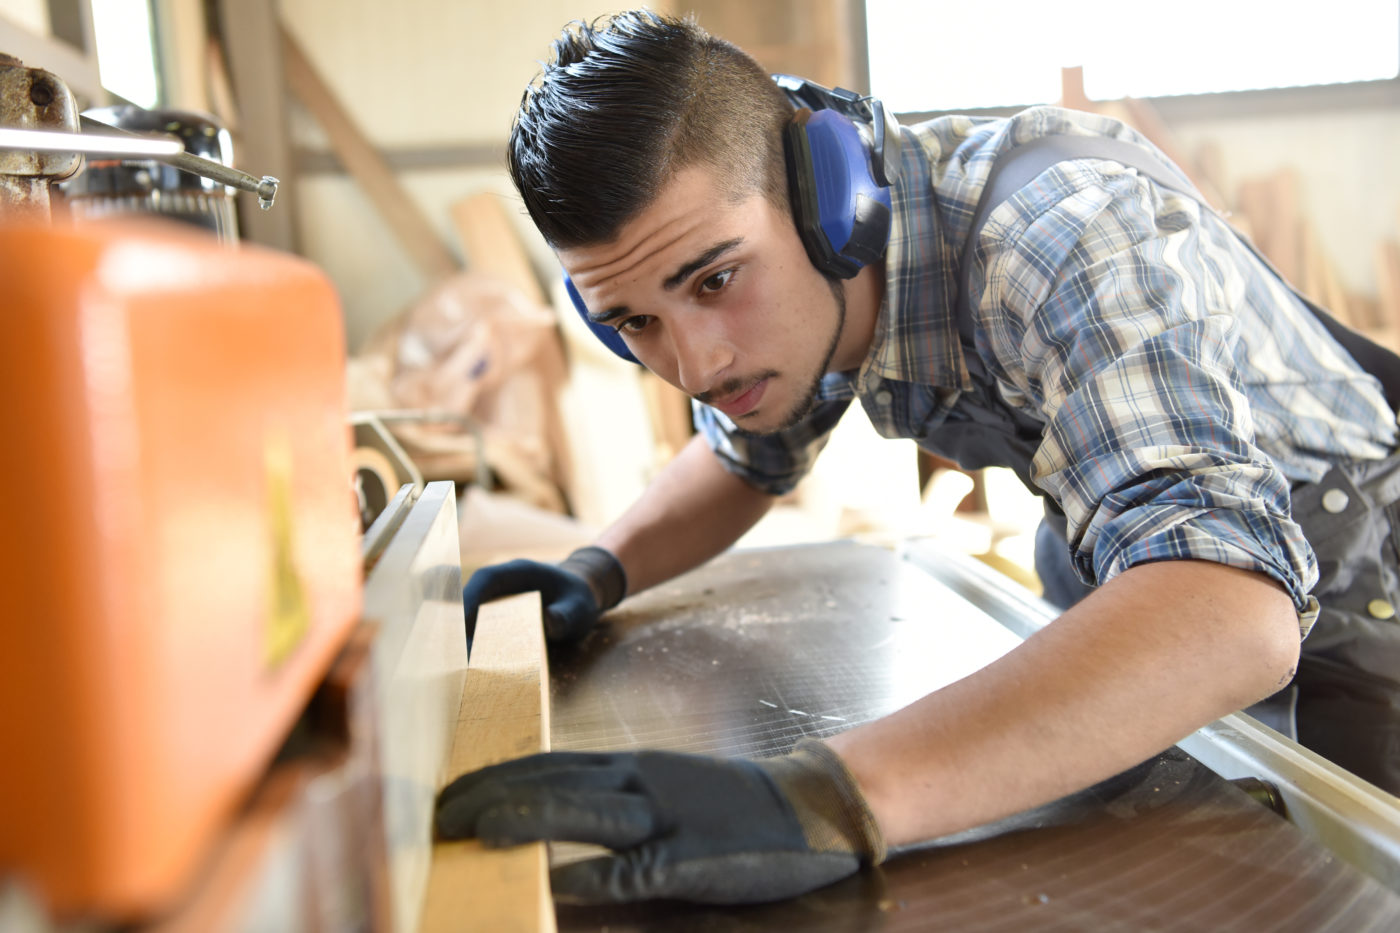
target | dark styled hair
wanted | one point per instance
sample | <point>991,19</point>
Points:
<point>626,102</point>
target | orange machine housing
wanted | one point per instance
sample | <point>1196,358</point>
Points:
<point>180,561</point>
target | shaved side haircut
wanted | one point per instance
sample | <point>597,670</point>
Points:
<point>622,105</point>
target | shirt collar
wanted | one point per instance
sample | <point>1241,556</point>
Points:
<point>915,337</point>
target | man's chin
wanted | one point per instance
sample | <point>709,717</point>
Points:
<point>756,431</point>
<point>759,424</point>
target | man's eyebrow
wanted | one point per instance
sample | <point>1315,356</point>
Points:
<point>699,262</point>
<point>674,280</point>
<point>603,317</point>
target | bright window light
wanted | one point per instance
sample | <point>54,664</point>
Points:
<point>949,56</point>
<point>126,57</point>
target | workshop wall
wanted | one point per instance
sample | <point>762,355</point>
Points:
<point>1348,185</point>
<point>439,74</point>
<point>430,75</point>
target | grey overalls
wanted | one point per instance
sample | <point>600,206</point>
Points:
<point>1344,702</point>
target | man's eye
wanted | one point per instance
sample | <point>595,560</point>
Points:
<point>634,324</point>
<point>717,281</point>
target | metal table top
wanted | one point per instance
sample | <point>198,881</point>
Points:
<point>760,648</point>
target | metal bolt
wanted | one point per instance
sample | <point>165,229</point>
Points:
<point>1263,793</point>
<point>267,192</point>
<point>41,93</point>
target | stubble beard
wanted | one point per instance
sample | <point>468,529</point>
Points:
<point>808,400</point>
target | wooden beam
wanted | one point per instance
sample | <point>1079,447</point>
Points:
<point>504,715</point>
<point>1072,90</point>
<point>1287,249</point>
<point>1319,276</point>
<point>223,103</point>
<point>249,32</point>
<point>183,54</point>
<point>671,419</point>
<point>420,241</point>
<point>1388,284</point>
<point>1254,203</point>
<point>1147,121</point>
<point>492,245</point>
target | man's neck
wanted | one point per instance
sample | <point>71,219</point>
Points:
<point>864,293</point>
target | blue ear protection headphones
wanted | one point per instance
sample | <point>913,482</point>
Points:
<point>839,184</point>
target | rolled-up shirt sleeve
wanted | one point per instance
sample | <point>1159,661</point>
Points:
<point>1120,330</point>
<point>771,463</point>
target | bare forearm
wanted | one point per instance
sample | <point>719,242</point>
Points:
<point>1158,652</point>
<point>693,510</point>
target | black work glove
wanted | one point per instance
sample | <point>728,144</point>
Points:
<point>690,827</point>
<point>588,583</point>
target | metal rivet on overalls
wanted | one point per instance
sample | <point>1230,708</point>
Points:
<point>1380,609</point>
<point>1334,501</point>
<point>884,396</point>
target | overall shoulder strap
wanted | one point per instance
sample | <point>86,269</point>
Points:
<point>1015,168</point>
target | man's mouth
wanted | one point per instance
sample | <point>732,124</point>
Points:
<point>737,406</point>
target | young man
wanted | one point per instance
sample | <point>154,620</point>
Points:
<point>1142,369</point>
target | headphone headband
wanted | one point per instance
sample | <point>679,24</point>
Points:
<point>859,108</point>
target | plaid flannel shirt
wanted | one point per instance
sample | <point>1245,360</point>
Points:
<point>1183,388</point>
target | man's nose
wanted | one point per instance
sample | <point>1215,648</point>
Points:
<point>702,354</point>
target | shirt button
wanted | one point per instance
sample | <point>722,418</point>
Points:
<point>1380,609</point>
<point>884,396</point>
<point>1334,501</point>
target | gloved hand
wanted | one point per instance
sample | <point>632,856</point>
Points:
<point>588,583</point>
<point>695,828</point>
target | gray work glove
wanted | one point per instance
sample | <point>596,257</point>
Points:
<point>574,593</point>
<point>689,827</point>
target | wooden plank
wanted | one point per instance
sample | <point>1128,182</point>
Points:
<point>182,51</point>
<point>1253,204</point>
<point>504,714</point>
<point>671,420</point>
<point>492,244</point>
<point>1209,163</point>
<point>222,101</point>
<point>493,247</point>
<point>1072,90</point>
<point>1388,283</point>
<point>1334,295</point>
<point>1147,121</point>
<point>1319,277</point>
<point>1287,249</point>
<point>366,165</point>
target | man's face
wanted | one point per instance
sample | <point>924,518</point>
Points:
<point>718,298</point>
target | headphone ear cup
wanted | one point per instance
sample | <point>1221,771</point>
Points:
<point>842,213</point>
<point>802,195</point>
<point>609,336</point>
